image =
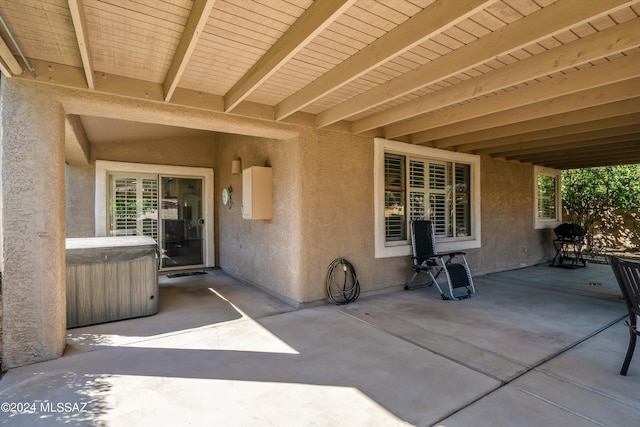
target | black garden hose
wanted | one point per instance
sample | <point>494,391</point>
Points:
<point>349,289</point>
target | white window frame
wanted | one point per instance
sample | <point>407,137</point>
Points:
<point>540,223</point>
<point>104,168</point>
<point>385,249</point>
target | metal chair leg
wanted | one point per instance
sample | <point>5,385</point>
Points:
<point>632,346</point>
<point>410,281</point>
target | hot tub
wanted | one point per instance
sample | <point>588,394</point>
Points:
<point>110,278</point>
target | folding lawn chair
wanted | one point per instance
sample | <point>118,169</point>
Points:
<point>627,273</point>
<point>426,259</point>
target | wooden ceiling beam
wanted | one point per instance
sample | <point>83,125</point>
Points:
<point>472,141</point>
<point>82,36</point>
<point>196,22</point>
<point>77,147</point>
<point>5,70</point>
<point>624,68</point>
<point>585,99</point>
<point>589,141</point>
<point>609,145</point>
<point>434,19</point>
<point>9,65</point>
<point>57,74</point>
<point>608,42</point>
<point>614,156</point>
<point>567,134</point>
<point>591,146</point>
<point>312,22</point>
<point>595,161</point>
<point>590,163</point>
<point>611,156</point>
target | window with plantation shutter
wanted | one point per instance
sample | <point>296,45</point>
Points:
<point>433,193</point>
<point>547,197</point>
<point>134,206</point>
<point>443,188</point>
<point>124,210</point>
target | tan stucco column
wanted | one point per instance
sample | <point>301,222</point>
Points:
<point>33,224</point>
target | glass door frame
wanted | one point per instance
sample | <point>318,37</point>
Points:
<point>103,170</point>
<point>161,223</point>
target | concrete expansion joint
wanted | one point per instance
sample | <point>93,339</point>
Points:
<point>535,368</point>
<point>564,408</point>
<point>439,353</point>
<point>632,404</point>
<point>502,382</point>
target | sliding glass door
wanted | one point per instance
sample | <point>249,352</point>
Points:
<point>182,219</point>
<point>167,208</point>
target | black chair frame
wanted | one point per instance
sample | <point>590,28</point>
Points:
<point>427,260</point>
<point>627,273</point>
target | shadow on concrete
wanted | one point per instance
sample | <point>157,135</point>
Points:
<point>185,303</point>
<point>531,352</point>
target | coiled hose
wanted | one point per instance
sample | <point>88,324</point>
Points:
<point>342,283</point>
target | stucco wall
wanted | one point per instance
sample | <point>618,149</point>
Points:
<point>336,201</point>
<point>262,252</point>
<point>33,221</point>
<point>80,190</point>
<point>337,214</point>
<point>509,239</point>
<point>178,151</point>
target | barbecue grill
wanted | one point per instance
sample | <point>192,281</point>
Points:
<point>568,243</point>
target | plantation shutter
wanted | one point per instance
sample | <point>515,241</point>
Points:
<point>431,189</point>
<point>149,208</point>
<point>546,197</point>
<point>417,183</point>
<point>134,206</point>
<point>394,198</point>
<point>463,200</point>
<point>124,212</point>
<point>438,178</point>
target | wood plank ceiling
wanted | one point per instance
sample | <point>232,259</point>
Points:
<point>547,82</point>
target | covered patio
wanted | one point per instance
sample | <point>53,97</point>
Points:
<point>492,97</point>
<point>535,346</point>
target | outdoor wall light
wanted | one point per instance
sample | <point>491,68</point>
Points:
<point>236,167</point>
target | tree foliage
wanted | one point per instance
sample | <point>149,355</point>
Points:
<point>589,194</point>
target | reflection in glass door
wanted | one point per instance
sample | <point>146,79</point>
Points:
<point>182,222</point>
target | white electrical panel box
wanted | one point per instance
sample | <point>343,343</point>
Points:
<point>256,193</point>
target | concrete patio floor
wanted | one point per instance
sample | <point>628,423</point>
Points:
<point>537,346</point>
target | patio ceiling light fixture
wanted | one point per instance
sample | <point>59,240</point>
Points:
<point>236,167</point>
<point>8,58</point>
